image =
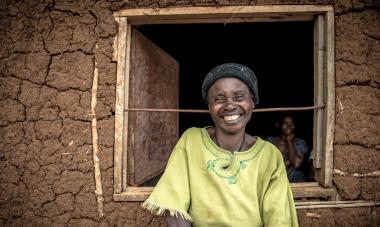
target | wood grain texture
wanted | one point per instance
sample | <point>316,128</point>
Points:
<point>153,84</point>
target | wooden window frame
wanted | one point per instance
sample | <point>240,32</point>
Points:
<point>324,82</point>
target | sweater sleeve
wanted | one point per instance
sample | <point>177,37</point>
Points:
<point>172,194</point>
<point>278,204</point>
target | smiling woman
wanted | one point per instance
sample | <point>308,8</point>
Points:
<point>220,175</point>
<point>230,103</point>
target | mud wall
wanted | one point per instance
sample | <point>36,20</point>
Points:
<point>47,58</point>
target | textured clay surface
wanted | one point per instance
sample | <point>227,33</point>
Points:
<point>48,51</point>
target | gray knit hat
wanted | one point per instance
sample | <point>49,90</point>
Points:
<point>241,72</point>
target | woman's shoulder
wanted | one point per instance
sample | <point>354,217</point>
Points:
<point>270,155</point>
<point>192,133</point>
<point>270,148</point>
<point>192,138</point>
<point>269,143</point>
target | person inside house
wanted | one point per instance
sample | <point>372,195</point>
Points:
<point>293,149</point>
<point>220,175</point>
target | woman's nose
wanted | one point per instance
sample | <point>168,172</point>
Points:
<point>230,104</point>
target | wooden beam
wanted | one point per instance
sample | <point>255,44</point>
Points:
<point>307,203</point>
<point>312,192</point>
<point>119,105</point>
<point>207,111</point>
<point>224,20</point>
<point>126,105</point>
<point>338,205</point>
<point>134,194</point>
<point>227,10</point>
<point>319,49</point>
<point>304,184</point>
<point>329,100</point>
<point>300,190</point>
<point>228,14</point>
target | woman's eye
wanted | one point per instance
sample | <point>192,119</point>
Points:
<point>240,98</point>
<point>219,100</point>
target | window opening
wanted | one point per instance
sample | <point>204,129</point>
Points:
<point>281,54</point>
<point>320,19</point>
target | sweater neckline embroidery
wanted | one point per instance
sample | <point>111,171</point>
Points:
<point>227,165</point>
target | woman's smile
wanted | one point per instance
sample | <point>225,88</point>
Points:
<point>230,119</point>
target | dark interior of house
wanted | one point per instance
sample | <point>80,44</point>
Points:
<point>280,54</point>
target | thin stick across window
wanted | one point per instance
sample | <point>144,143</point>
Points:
<point>206,111</point>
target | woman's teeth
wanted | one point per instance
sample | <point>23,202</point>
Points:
<point>231,118</point>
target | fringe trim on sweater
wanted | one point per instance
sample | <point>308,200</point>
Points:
<point>160,210</point>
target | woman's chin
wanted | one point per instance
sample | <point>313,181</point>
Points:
<point>232,129</point>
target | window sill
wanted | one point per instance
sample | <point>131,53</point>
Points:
<point>311,190</point>
<point>300,191</point>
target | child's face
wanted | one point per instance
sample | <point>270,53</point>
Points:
<point>287,126</point>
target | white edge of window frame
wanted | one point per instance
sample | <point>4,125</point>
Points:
<point>324,81</point>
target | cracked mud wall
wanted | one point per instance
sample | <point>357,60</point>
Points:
<point>47,55</point>
<point>357,137</point>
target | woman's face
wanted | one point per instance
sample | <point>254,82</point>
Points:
<point>287,126</point>
<point>230,104</point>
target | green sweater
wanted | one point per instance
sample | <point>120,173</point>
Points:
<point>210,186</point>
